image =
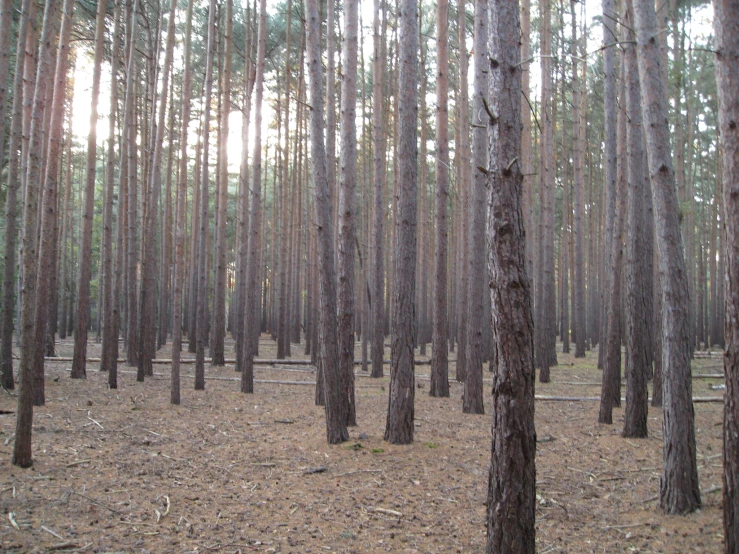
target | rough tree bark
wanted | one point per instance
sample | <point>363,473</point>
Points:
<point>336,431</point>
<point>22,453</point>
<point>440,332</point>
<point>11,201</point>
<point>378,185</point>
<point>179,261</point>
<point>579,183</point>
<point>147,294</point>
<point>726,26</point>
<point>48,204</point>
<point>610,38</point>
<point>472,401</point>
<point>202,305</point>
<point>610,390</point>
<point>511,502</point>
<point>637,267</point>
<point>546,317</point>
<point>399,424</point>
<point>679,491</point>
<point>347,216</point>
<point>219,301</point>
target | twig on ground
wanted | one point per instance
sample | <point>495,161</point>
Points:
<point>98,503</point>
<point>358,471</point>
<point>13,522</point>
<point>385,511</point>
<point>57,535</point>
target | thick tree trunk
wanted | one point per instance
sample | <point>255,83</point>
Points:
<point>511,503</point>
<point>440,332</point>
<point>399,425</point>
<point>726,25</point>
<point>679,491</point>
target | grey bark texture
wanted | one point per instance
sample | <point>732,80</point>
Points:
<point>511,501</point>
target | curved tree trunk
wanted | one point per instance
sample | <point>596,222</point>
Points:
<point>679,491</point>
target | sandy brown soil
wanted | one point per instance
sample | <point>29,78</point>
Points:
<point>123,471</point>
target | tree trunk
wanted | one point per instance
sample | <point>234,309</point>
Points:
<point>609,132</point>
<point>610,393</point>
<point>545,328</point>
<point>679,492</point>
<point>511,503</point>
<point>202,305</point>
<point>726,26</point>
<point>83,294</point>
<point>637,266</point>
<point>22,455</point>
<point>109,348</point>
<point>399,425</point>
<point>336,431</point>
<point>440,332</point>
<point>28,12</point>
<point>577,145</point>
<point>147,295</point>
<point>347,216</point>
<point>219,303</point>
<point>472,401</point>
<point>48,205</point>
<point>179,261</point>
<point>378,176</point>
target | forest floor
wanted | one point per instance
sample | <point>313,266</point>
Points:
<point>124,471</point>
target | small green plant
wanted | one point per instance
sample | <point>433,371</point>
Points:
<point>378,450</point>
<point>355,446</point>
<point>432,444</point>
